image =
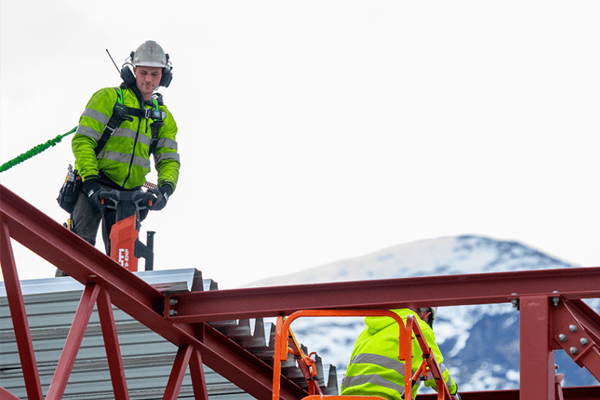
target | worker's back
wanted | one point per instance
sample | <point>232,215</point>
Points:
<point>374,367</point>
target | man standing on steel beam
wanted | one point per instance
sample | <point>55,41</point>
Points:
<point>118,131</point>
<point>374,368</point>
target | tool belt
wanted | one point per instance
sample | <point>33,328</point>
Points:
<point>69,192</point>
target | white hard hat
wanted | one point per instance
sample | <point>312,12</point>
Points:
<point>150,54</point>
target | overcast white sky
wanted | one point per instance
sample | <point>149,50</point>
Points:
<point>312,131</point>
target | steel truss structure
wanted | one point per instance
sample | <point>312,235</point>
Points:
<point>552,315</point>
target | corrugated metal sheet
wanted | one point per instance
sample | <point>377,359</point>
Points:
<point>147,357</point>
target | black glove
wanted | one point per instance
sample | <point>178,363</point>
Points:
<point>162,195</point>
<point>92,189</point>
<point>456,396</point>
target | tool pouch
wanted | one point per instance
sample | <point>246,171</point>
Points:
<point>69,192</point>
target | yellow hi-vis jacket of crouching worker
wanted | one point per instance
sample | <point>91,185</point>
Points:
<point>374,368</point>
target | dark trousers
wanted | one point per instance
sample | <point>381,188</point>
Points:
<point>86,221</point>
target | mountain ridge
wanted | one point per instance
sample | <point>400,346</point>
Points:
<point>416,255</point>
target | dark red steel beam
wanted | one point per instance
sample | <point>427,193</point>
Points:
<point>582,393</point>
<point>86,264</point>
<point>198,379</point>
<point>111,345</point>
<point>19,317</point>
<point>579,311</point>
<point>450,290</point>
<point>6,395</point>
<point>129,293</point>
<point>73,255</point>
<point>576,330</point>
<point>73,342</point>
<point>182,360</point>
<point>535,351</point>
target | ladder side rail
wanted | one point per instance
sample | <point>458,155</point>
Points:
<point>308,371</point>
<point>277,357</point>
<point>429,359</point>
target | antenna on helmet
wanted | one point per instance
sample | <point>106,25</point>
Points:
<point>113,61</point>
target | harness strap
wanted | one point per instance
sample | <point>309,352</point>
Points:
<point>154,128</point>
<point>122,113</point>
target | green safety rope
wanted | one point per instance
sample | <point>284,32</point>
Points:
<point>36,150</point>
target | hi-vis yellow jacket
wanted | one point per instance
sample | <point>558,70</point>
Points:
<point>374,368</point>
<point>125,158</point>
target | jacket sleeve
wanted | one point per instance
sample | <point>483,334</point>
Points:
<point>166,157</point>
<point>430,338</point>
<point>89,131</point>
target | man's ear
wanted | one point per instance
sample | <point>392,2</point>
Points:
<point>426,316</point>
<point>429,319</point>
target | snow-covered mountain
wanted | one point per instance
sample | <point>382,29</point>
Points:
<point>480,343</point>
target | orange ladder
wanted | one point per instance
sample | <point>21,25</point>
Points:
<point>285,343</point>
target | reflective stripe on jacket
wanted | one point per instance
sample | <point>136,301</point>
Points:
<point>125,158</point>
<point>374,368</point>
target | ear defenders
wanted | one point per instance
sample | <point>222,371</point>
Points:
<point>126,72</point>
<point>167,75</point>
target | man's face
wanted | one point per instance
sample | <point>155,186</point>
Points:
<point>147,80</point>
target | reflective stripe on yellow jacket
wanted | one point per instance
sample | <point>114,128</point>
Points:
<point>125,158</point>
<point>374,368</point>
